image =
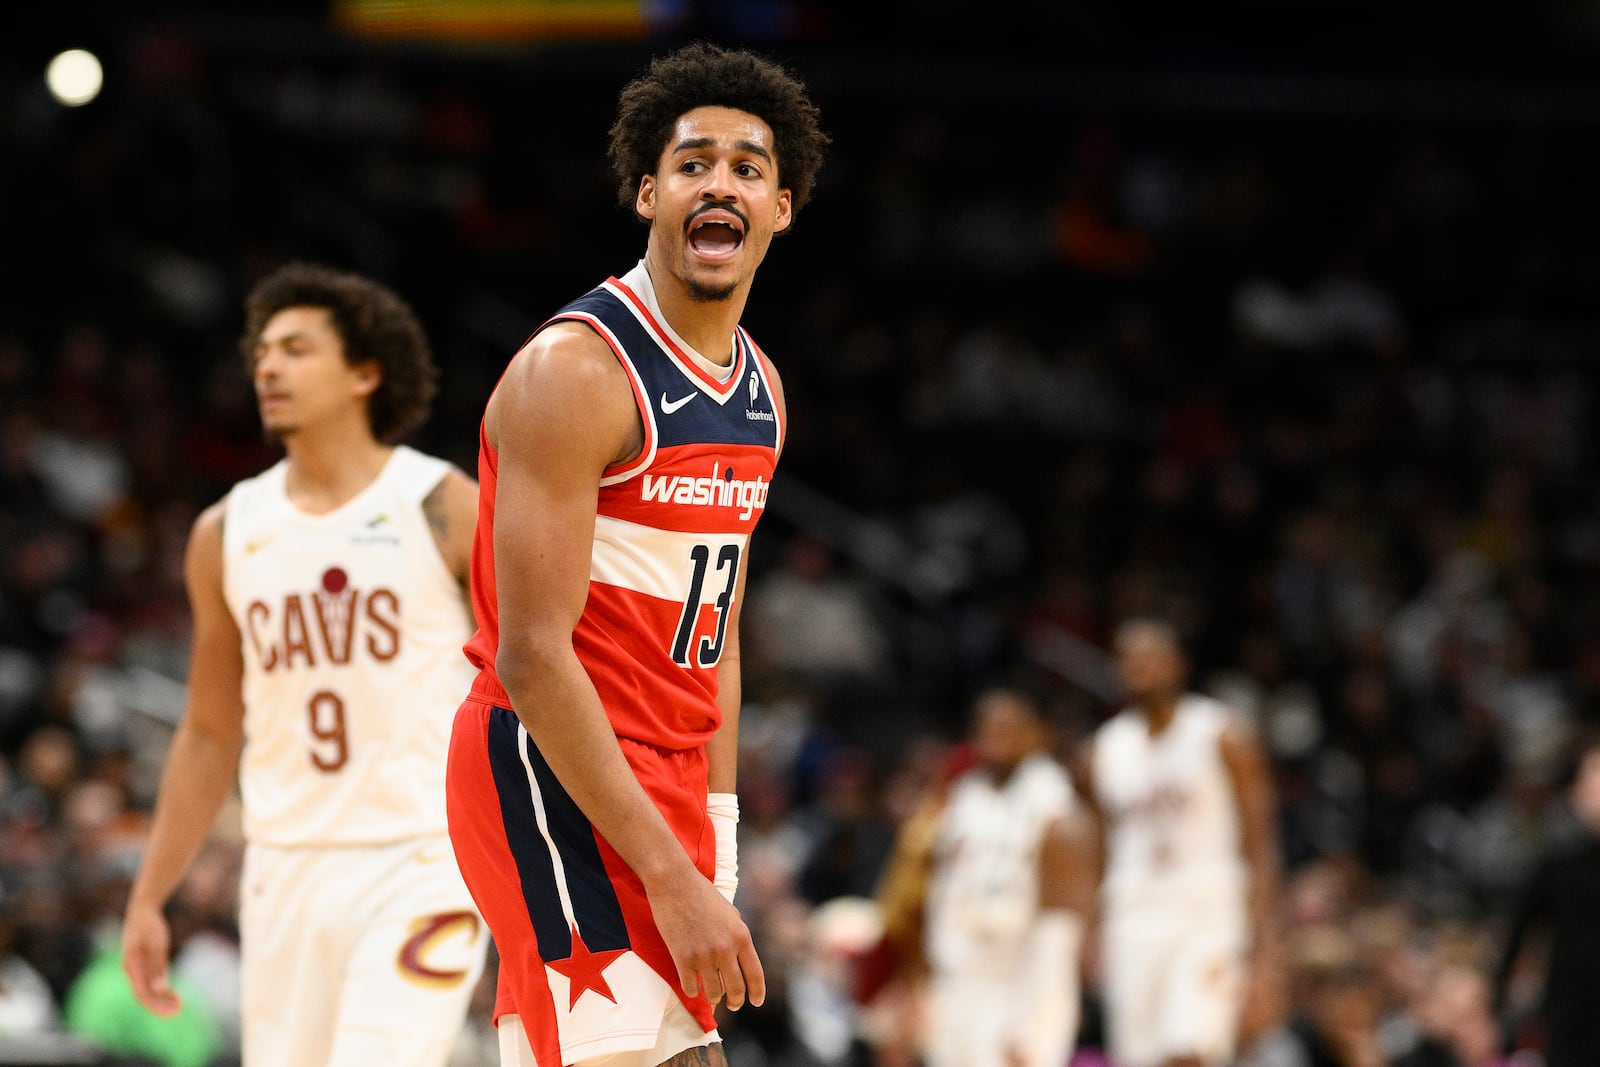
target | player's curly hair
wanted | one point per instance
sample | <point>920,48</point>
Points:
<point>703,75</point>
<point>373,322</point>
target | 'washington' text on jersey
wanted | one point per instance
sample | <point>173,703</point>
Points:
<point>721,490</point>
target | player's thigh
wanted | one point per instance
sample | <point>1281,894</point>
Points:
<point>1136,974</point>
<point>965,1022</point>
<point>1206,991</point>
<point>295,943</point>
<point>679,1041</point>
<point>412,972</point>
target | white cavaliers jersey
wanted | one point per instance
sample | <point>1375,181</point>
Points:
<point>1172,818</point>
<point>352,627</point>
<point>983,892</point>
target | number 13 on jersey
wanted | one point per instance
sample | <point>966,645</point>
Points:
<point>713,577</point>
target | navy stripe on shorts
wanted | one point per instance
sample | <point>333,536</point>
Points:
<point>594,901</point>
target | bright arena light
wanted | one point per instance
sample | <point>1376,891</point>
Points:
<point>74,77</point>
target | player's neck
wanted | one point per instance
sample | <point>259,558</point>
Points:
<point>328,466</point>
<point>1001,773</point>
<point>1159,711</point>
<point>707,325</point>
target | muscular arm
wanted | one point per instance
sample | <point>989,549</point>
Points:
<point>1066,865</point>
<point>452,513</point>
<point>1089,831</point>
<point>562,414</point>
<point>201,768</point>
<point>1252,785</point>
<point>1246,761</point>
<point>451,509</point>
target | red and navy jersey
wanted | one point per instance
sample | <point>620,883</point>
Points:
<point>672,527</point>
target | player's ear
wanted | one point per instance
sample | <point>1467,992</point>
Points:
<point>369,375</point>
<point>645,203</point>
<point>785,211</point>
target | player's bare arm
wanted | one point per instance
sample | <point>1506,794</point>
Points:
<point>563,413</point>
<point>1248,768</point>
<point>1089,828</point>
<point>704,1056</point>
<point>452,513</point>
<point>1066,865</point>
<point>201,767</point>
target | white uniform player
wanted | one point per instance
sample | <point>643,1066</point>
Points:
<point>353,627</point>
<point>1175,925</point>
<point>1003,989</point>
<point>329,607</point>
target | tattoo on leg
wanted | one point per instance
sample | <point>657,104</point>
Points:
<point>705,1056</point>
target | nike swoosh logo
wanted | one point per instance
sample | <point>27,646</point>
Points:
<point>252,547</point>
<point>669,406</point>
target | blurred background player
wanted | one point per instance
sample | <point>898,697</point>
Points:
<point>1008,891</point>
<point>329,614</point>
<point>1182,797</point>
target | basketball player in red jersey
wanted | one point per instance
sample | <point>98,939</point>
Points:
<point>625,458</point>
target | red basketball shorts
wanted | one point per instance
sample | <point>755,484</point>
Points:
<point>581,960</point>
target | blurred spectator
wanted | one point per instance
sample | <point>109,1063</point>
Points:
<point>1337,1006</point>
<point>810,618</point>
<point>26,1004</point>
<point>101,1006</point>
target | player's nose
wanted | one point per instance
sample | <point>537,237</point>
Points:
<point>719,185</point>
<point>266,365</point>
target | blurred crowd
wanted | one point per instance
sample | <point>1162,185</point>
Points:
<point>1318,387</point>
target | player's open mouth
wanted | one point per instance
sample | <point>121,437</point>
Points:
<point>716,235</point>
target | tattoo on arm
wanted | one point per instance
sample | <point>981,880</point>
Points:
<point>704,1056</point>
<point>437,514</point>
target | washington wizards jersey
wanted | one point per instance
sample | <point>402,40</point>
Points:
<point>351,624</point>
<point>672,526</point>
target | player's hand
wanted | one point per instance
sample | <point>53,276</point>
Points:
<point>710,944</point>
<point>146,945</point>
<point>1266,1002</point>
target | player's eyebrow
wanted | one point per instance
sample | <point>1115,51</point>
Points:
<point>283,338</point>
<point>689,144</point>
<point>292,337</point>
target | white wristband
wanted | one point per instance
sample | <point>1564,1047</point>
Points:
<point>723,810</point>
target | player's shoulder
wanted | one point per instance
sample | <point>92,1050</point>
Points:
<point>1121,723</point>
<point>565,356</point>
<point>1048,777</point>
<point>1211,714</point>
<point>570,342</point>
<point>759,352</point>
<point>260,492</point>
<point>211,520</point>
